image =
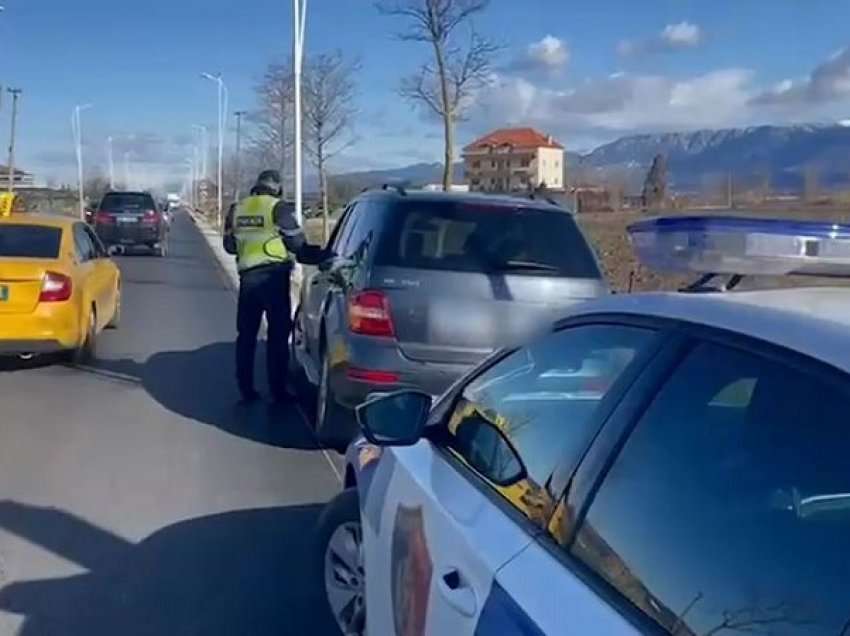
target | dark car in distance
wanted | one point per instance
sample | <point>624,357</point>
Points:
<point>130,220</point>
<point>421,286</point>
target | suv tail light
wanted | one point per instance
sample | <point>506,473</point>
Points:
<point>104,218</point>
<point>55,288</point>
<point>150,217</point>
<point>369,314</point>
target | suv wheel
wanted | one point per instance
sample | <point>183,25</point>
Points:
<point>328,412</point>
<point>340,548</point>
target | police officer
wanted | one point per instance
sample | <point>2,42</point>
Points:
<point>263,233</point>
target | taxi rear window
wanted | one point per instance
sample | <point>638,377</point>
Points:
<point>29,241</point>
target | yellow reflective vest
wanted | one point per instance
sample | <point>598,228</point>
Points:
<point>258,240</point>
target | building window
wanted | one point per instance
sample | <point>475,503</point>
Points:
<point>476,182</point>
<point>525,163</point>
<point>476,164</point>
<point>492,181</point>
<point>493,164</point>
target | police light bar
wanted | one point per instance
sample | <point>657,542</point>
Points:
<point>740,245</point>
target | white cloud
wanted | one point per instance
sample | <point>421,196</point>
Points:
<point>673,37</point>
<point>550,54</point>
<point>682,35</point>
<point>828,82</point>
<point>619,104</point>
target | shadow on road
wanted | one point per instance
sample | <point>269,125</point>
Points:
<point>200,385</point>
<point>244,572</point>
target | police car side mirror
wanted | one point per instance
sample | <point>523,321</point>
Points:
<point>397,419</point>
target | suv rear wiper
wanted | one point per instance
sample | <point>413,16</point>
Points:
<point>531,266</point>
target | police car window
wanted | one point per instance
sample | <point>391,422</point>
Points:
<point>543,397</point>
<point>728,510</point>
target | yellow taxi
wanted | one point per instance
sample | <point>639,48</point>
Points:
<point>58,286</point>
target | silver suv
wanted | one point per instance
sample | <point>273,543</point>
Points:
<point>423,285</point>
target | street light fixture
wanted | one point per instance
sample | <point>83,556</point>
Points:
<point>77,131</point>
<point>222,116</point>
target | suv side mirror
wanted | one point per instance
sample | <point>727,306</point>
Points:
<point>397,419</point>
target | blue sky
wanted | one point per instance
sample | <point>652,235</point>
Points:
<point>586,71</point>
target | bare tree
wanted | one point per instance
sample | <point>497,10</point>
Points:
<point>269,138</point>
<point>329,93</point>
<point>446,86</point>
<point>654,193</point>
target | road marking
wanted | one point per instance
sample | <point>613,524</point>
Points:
<point>324,450</point>
<point>112,375</point>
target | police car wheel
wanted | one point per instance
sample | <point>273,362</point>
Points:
<point>340,547</point>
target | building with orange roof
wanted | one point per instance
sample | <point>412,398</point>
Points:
<point>514,160</point>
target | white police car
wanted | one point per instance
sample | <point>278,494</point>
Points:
<point>658,463</point>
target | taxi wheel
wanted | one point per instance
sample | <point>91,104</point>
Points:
<point>340,552</point>
<point>86,351</point>
<point>116,317</point>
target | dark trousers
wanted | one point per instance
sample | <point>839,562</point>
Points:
<point>264,290</point>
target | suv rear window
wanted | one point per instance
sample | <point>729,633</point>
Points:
<point>476,237</point>
<point>125,201</point>
<point>29,241</point>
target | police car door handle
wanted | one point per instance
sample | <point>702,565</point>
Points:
<point>458,593</point>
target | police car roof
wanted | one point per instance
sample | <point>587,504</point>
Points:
<point>813,321</point>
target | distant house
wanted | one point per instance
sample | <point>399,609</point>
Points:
<point>513,160</point>
<point>22,179</point>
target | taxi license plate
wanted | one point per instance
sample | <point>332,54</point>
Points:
<point>4,293</point>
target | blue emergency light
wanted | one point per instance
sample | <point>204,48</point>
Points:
<point>742,246</point>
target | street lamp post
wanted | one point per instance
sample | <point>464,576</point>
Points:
<point>299,20</point>
<point>222,115</point>
<point>77,130</point>
<point>127,171</point>
<point>15,93</point>
<point>238,187</point>
<point>204,151</point>
<point>111,162</point>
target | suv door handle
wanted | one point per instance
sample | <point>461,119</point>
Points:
<point>458,592</point>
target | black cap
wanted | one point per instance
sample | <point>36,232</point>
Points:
<point>269,180</point>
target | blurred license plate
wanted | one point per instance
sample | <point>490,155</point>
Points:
<point>4,293</point>
<point>128,219</point>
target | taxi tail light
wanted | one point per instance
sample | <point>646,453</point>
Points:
<point>369,314</point>
<point>55,287</point>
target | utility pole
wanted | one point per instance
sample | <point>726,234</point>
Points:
<point>222,120</point>
<point>15,93</point>
<point>237,190</point>
<point>111,163</point>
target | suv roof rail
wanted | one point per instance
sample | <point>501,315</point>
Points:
<point>547,199</point>
<point>397,188</point>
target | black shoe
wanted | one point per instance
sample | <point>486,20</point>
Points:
<point>248,397</point>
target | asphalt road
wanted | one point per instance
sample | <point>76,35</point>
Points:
<point>137,497</point>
